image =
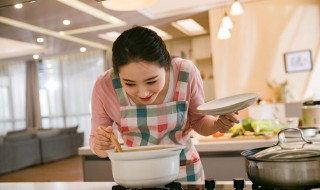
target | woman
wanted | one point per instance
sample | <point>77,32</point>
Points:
<point>153,99</point>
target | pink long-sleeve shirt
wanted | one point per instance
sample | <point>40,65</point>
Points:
<point>106,108</point>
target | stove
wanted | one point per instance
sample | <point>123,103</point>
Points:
<point>211,184</point>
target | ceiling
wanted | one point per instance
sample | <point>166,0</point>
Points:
<point>43,18</point>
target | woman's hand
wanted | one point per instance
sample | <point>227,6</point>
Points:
<point>102,141</point>
<point>225,122</point>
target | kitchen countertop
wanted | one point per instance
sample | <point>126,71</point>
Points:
<point>81,185</point>
<point>222,145</point>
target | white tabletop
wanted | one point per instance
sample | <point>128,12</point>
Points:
<point>71,185</point>
<point>57,186</point>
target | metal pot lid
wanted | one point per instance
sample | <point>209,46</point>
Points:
<point>289,151</point>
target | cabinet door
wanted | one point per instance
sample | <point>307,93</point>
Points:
<point>201,47</point>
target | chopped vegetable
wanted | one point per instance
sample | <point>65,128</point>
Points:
<point>247,124</point>
<point>218,134</point>
<point>266,126</point>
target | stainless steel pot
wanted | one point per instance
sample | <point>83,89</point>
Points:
<point>285,165</point>
<point>143,169</point>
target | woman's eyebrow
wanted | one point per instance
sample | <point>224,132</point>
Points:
<point>128,80</point>
<point>151,78</point>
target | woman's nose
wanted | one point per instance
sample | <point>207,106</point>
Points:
<point>143,92</point>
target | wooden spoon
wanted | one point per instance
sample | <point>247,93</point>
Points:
<point>115,142</point>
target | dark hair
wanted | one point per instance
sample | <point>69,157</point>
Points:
<point>139,44</point>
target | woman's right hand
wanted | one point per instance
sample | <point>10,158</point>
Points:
<point>102,141</point>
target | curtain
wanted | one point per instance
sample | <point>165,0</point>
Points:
<point>32,97</point>
<point>12,99</point>
<point>313,88</point>
<point>66,84</point>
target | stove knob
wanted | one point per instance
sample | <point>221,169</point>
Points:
<point>239,183</point>
<point>210,184</point>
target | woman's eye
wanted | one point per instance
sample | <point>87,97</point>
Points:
<point>129,84</point>
<point>151,82</point>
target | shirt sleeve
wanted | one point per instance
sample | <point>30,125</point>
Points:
<point>195,97</point>
<point>101,96</point>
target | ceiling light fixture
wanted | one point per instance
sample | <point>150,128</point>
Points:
<point>127,5</point>
<point>83,49</point>
<point>164,35</point>
<point>40,40</point>
<point>189,27</point>
<point>66,22</point>
<point>18,6</point>
<point>236,8</point>
<point>35,56</point>
<point>7,3</point>
<point>226,21</point>
<point>223,33</point>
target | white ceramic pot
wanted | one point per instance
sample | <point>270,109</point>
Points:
<point>143,169</point>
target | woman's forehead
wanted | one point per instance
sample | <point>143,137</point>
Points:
<point>140,70</point>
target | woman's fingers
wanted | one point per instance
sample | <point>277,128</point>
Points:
<point>233,117</point>
<point>102,139</point>
<point>221,126</point>
<point>225,122</point>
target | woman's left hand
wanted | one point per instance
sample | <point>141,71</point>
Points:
<point>225,122</point>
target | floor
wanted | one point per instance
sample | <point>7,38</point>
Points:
<point>65,170</point>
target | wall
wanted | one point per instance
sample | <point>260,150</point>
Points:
<point>260,37</point>
<point>197,49</point>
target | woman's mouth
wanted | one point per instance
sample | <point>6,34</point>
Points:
<point>147,98</point>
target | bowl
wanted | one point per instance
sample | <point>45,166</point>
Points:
<point>145,166</point>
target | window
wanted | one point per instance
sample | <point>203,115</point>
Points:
<point>65,89</point>
<point>12,99</point>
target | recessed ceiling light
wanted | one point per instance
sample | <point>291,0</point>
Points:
<point>66,22</point>
<point>35,56</point>
<point>164,35</point>
<point>110,36</point>
<point>18,6</point>
<point>189,27</point>
<point>83,49</point>
<point>40,40</point>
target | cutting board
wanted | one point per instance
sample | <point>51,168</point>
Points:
<point>228,138</point>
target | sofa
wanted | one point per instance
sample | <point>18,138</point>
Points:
<point>59,143</point>
<point>21,149</point>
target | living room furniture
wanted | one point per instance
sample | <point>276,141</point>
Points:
<point>21,149</point>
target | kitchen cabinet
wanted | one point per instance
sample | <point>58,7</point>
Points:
<point>277,110</point>
<point>201,47</point>
<point>221,160</point>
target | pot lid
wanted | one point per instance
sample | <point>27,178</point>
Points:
<point>289,151</point>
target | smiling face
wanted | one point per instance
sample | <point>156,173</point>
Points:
<point>144,82</point>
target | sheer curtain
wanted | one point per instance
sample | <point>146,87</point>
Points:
<point>66,84</point>
<point>12,96</point>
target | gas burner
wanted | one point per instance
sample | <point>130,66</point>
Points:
<point>259,187</point>
<point>171,186</point>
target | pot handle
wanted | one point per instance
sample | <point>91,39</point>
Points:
<point>282,138</point>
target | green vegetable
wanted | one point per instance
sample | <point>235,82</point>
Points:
<point>237,133</point>
<point>266,125</point>
<point>247,124</point>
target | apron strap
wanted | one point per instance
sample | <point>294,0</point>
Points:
<point>182,83</point>
<point>121,94</point>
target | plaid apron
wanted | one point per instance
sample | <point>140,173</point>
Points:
<point>162,124</point>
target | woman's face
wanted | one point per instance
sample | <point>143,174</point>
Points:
<point>142,81</point>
